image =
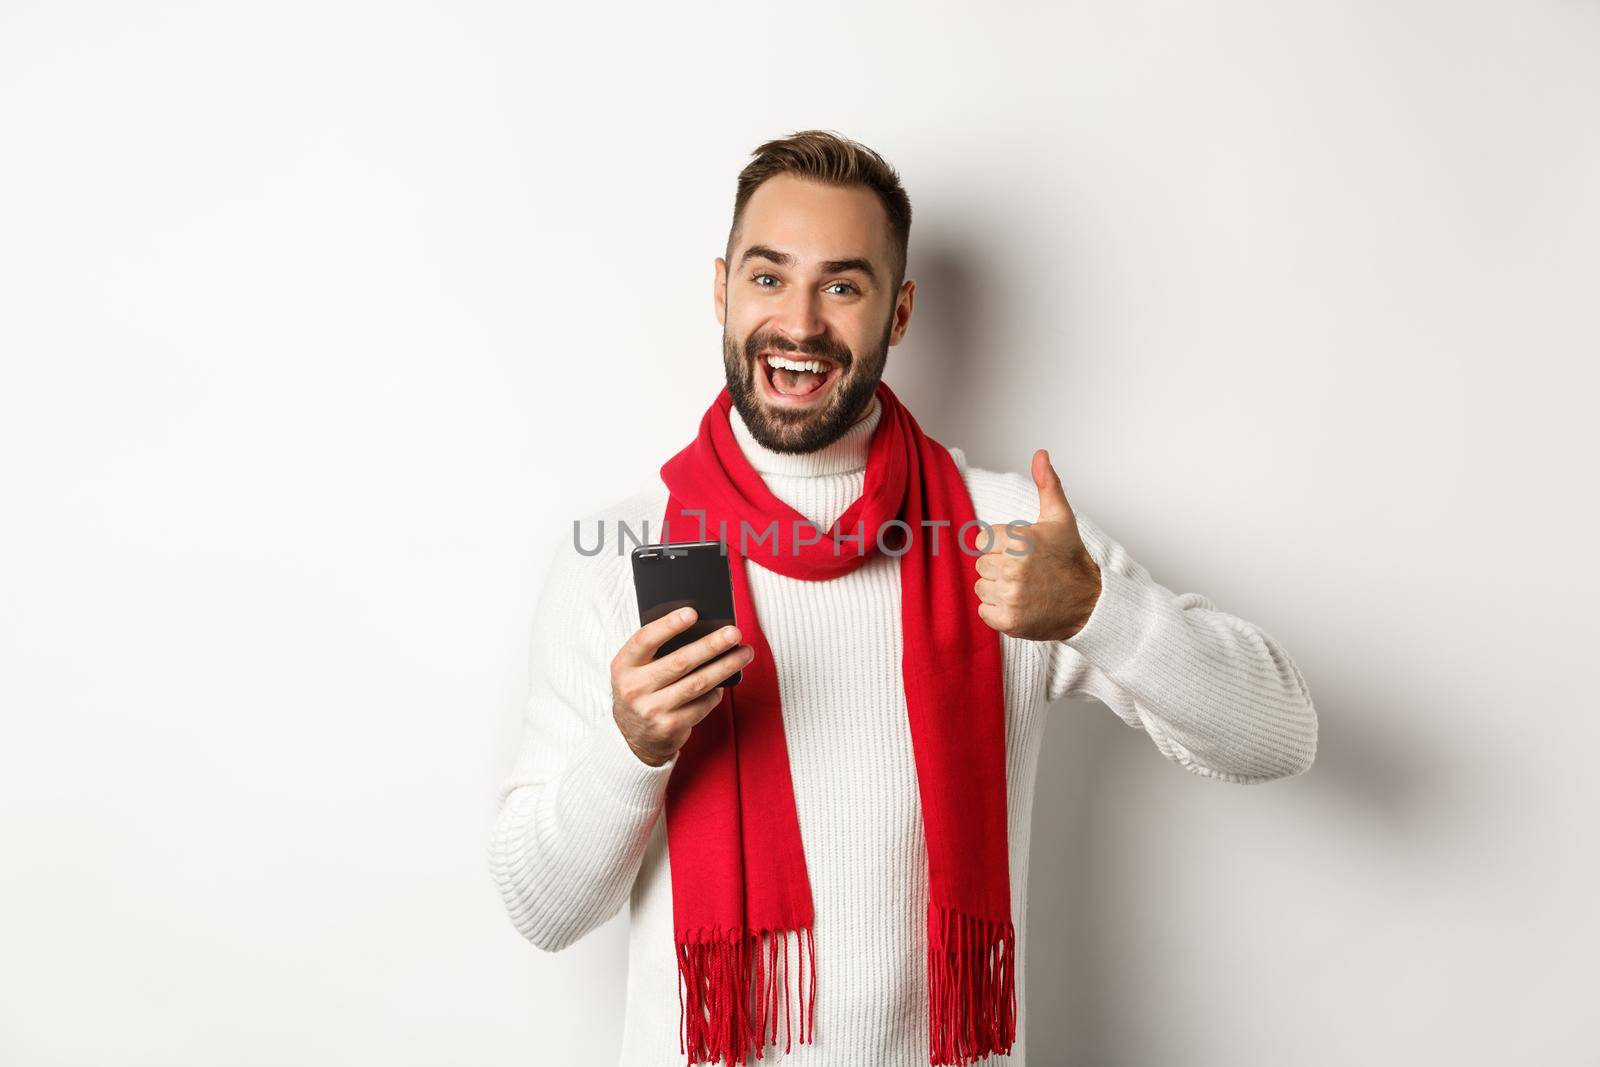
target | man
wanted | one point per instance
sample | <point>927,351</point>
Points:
<point>861,800</point>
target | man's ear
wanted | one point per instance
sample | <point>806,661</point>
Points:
<point>902,311</point>
<point>719,294</point>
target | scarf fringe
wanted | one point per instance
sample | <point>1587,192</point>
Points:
<point>732,978</point>
<point>972,1000</point>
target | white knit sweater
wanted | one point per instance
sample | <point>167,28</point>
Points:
<point>581,829</point>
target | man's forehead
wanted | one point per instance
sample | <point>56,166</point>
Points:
<point>811,221</point>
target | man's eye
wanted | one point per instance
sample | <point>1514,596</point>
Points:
<point>847,286</point>
<point>758,277</point>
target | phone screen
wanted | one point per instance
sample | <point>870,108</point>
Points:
<point>691,574</point>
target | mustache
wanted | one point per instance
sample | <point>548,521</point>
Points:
<point>841,355</point>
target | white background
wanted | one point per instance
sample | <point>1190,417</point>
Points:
<point>321,321</point>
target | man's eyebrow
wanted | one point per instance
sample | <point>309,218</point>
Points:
<point>784,259</point>
<point>839,266</point>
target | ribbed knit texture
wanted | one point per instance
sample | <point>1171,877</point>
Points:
<point>580,831</point>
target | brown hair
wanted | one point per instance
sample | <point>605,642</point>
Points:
<point>828,157</point>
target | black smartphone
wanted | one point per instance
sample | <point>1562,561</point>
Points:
<point>691,574</point>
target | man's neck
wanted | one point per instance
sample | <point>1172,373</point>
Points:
<point>848,452</point>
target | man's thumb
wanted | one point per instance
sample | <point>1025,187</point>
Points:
<point>1053,506</point>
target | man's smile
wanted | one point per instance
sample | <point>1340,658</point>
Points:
<point>794,380</point>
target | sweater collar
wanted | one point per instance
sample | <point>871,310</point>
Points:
<point>844,455</point>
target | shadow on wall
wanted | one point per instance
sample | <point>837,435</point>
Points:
<point>936,370</point>
<point>1077,990</point>
<point>1066,999</point>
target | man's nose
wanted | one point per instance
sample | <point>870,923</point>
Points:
<point>800,317</point>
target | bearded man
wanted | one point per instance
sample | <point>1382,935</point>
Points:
<point>836,846</point>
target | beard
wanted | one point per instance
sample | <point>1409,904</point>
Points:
<point>791,430</point>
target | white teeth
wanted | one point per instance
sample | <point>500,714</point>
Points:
<point>814,365</point>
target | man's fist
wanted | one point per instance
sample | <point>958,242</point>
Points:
<point>657,702</point>
<point>1044,584</point>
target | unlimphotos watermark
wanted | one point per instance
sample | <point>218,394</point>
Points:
<point>804,533</point>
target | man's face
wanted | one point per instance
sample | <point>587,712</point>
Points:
<point>808,281</point>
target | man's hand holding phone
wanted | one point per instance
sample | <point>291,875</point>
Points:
<point>657,702</point>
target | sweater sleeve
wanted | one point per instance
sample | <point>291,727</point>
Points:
<point>578,808</point>
<point>1216,694</point>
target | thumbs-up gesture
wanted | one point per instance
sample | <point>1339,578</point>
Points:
<point>1044,584</point>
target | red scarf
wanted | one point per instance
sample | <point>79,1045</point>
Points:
<point>739,883</point>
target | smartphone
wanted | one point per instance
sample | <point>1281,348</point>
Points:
<point>691,574</point>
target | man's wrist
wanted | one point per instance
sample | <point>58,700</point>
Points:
<point>649,759</point>
<point>1085,610</point>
